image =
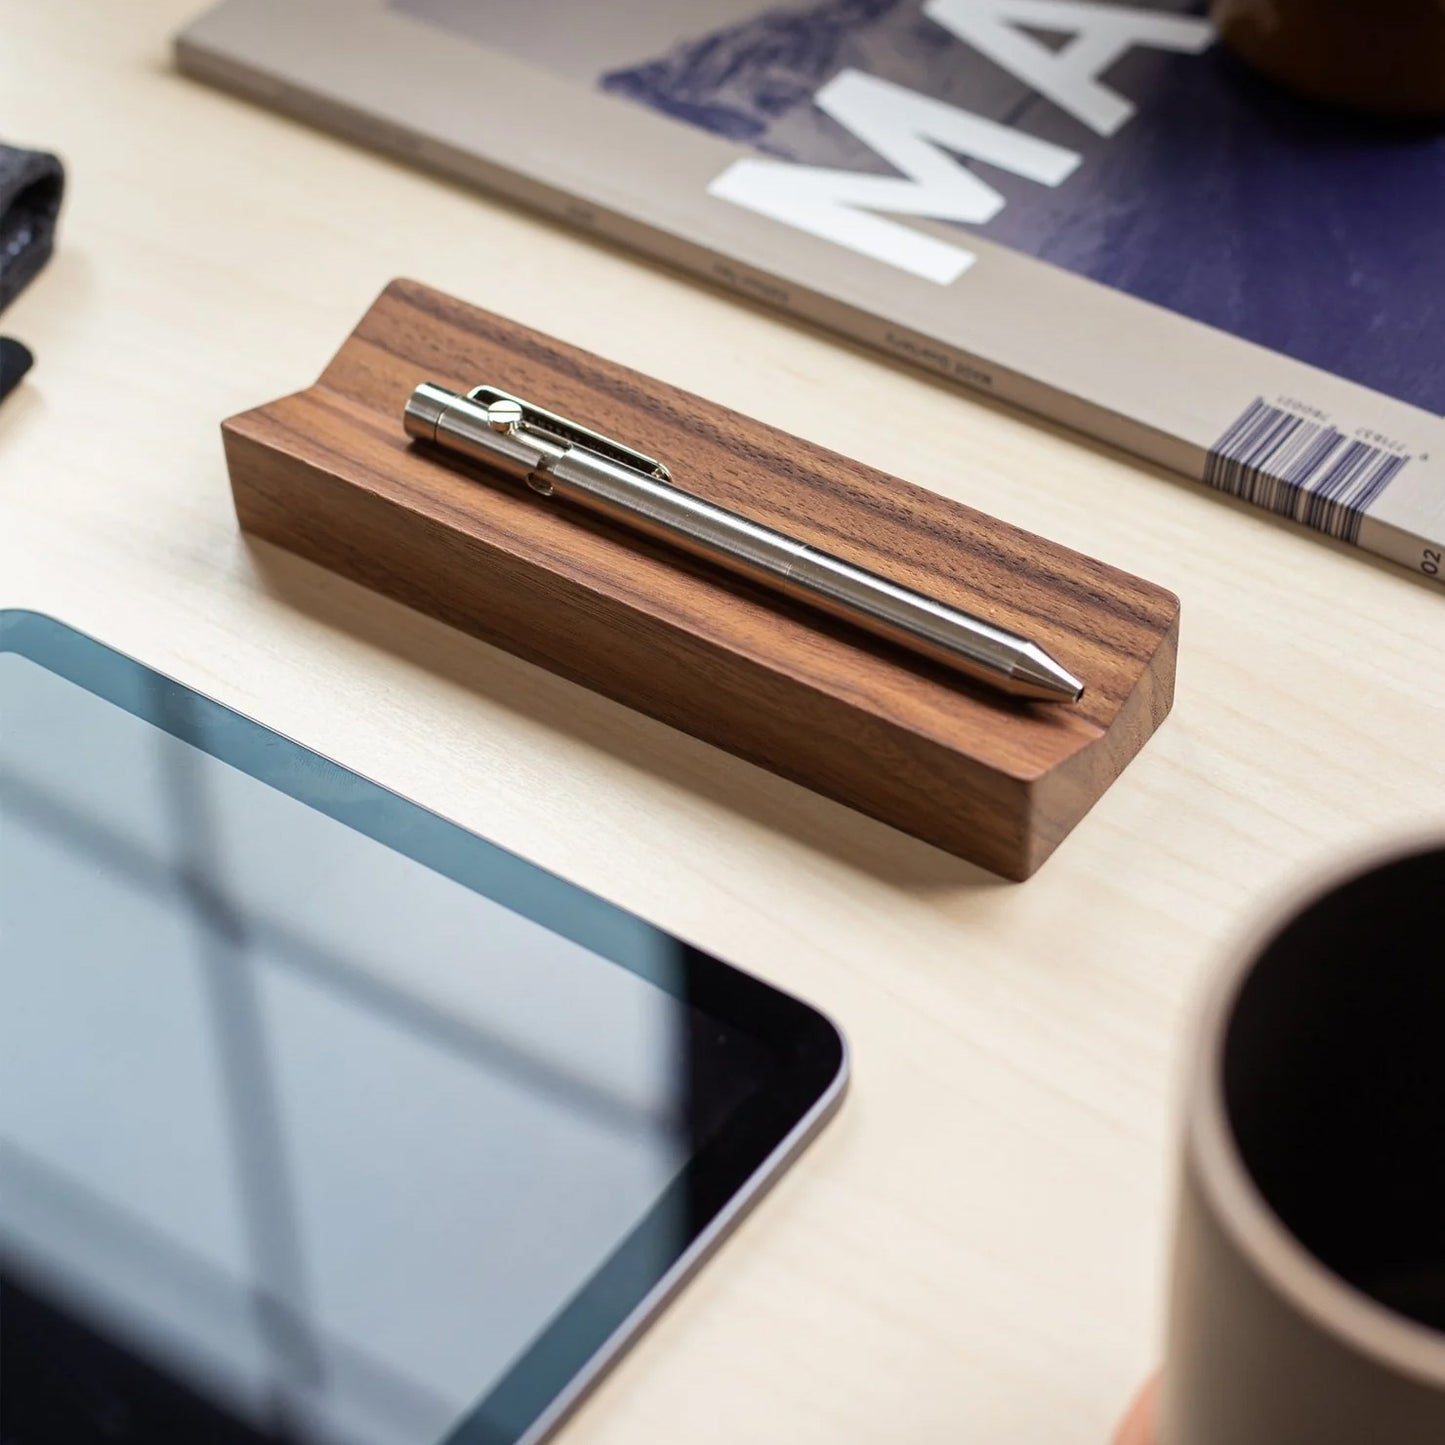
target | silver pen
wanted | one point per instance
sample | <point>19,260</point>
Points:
<point>557,458</point>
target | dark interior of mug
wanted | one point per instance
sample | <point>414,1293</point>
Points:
<point>1334,1082</point>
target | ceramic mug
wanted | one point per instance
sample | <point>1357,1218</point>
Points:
<point>1382,56</point>
<point>1308,1295</point>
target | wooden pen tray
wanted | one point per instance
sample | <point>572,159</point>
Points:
<point>329,473</point>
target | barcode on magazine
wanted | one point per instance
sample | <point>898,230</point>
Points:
<point>1301,468</point>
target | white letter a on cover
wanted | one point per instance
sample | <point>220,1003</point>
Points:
<point>914,133</point>
<point>1069,77</point>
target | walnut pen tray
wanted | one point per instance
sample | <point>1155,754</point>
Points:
<point>329,473</point>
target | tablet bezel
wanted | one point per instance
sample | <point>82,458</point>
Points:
<point>719,1182</point>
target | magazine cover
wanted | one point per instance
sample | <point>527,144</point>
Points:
<point>1089,209</point>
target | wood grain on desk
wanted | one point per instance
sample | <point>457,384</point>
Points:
<point>973,1251</point>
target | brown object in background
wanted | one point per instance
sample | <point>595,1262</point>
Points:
<point>1386,57</point>
<point>1308,1301</point>
<point>329,473</point>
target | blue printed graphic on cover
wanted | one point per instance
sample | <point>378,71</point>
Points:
<point>1315,233</point>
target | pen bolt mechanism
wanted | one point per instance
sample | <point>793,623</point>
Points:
<point>523,440</point>
<point>505,415</point>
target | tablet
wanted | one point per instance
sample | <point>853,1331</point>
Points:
<point>321,1119</point>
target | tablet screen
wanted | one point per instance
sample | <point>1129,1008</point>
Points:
<point>320,1119</point>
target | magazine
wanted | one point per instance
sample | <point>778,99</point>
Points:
<point>1087,209</point>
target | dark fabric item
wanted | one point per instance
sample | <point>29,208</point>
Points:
<point>31,185</point>
<point>15,361</point>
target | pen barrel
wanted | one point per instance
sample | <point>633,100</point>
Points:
<point>667,513</point>
<point>902,616</point>
<point>783,564</point>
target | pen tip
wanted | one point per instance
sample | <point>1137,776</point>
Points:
<point>1036,675</point>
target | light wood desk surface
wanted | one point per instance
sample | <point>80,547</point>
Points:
<point>974,1250</point>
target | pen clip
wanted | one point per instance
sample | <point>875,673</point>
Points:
<point>569,431</point>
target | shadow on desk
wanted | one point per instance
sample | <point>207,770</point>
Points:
<point>598,723</point>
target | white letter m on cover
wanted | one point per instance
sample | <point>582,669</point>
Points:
<point>915,133</point>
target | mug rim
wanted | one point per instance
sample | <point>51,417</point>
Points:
<point>1331,1302</point>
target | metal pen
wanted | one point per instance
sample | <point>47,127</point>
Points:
<point>558,459</point>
